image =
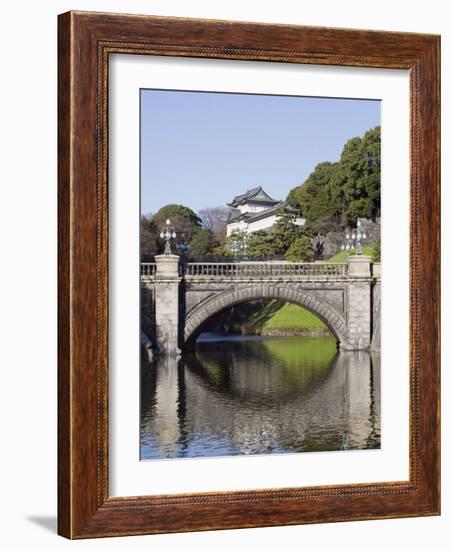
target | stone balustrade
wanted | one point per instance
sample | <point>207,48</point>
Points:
<point>148,269</point>
<point>254,270</point>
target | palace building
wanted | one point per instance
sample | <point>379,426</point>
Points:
<point>255,210</point>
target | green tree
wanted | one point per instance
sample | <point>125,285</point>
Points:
<point>356,183</point>
<point>185,222</point>
<point>300,250</point>
<point>149,244</point>
<point>336,194</point>
<point>173,211</point>
<point>268,243</point>
<point>285,232</point>
<point>201,243</point>
<point>261,243</point>
<point>314,197</point>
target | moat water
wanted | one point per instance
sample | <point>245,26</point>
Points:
<point>242,395</point>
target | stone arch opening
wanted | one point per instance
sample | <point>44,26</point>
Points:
<point>201,314</point>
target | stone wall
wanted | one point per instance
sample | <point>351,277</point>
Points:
<point>331,243</point>
<point>376,316</point>
<point>333,239</point>
<point>372,229</point>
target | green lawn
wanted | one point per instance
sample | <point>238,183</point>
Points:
<point>310,352</point>
<point>340,257</point>
<point>275,317</point>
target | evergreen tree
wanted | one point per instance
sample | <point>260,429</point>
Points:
<point>201,243</point>
<point>148,237</point>
<point>300,250</point>
<point>183,219</point>
<point>315,198</point>
<point>261,243</point>
<point>356,183</point>
<point>339,193</point>
<point>173,211</point>
<point>285,232</point>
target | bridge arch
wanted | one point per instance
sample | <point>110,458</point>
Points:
<point>198,316</point>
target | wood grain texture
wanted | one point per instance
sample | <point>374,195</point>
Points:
<point>64,295</point>
<point>85,42</point>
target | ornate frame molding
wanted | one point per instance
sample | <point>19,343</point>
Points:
<point>85,42</point>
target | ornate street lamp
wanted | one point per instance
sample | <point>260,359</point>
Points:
<point>237,246</point>
<point>168,232</point>
<point>245,247</point>
<point>353,240</point>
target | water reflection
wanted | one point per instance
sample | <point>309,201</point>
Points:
<point>242,395</point>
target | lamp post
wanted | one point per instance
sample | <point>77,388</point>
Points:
<point>245,247</point>
<point>168,232</point>
<point>237,246</point>
<point>353,240</point>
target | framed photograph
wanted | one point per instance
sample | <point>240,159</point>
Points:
<point>248,275</point>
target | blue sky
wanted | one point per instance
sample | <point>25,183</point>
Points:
<point>200,149</point>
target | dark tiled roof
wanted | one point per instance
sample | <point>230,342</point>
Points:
<point>270,211</point>
<point>251,195</point>
<point>250,216</point>
<point>234,213</point>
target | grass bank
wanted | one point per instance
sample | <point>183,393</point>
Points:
<point>281,319</point>
<point>341,257</point>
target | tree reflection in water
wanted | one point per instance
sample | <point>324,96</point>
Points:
<point>253,395</point>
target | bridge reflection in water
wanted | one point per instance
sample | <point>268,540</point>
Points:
<point>251,395</point>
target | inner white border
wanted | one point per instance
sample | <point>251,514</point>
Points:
<point>129,476</point>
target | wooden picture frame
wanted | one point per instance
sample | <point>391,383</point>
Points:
<point>86,40</point>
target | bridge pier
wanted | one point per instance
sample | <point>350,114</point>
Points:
<point>376,297</point>
<point>359,303</point>
<point>167,304</point>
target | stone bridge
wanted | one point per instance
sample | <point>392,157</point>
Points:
<point>178,299</point>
